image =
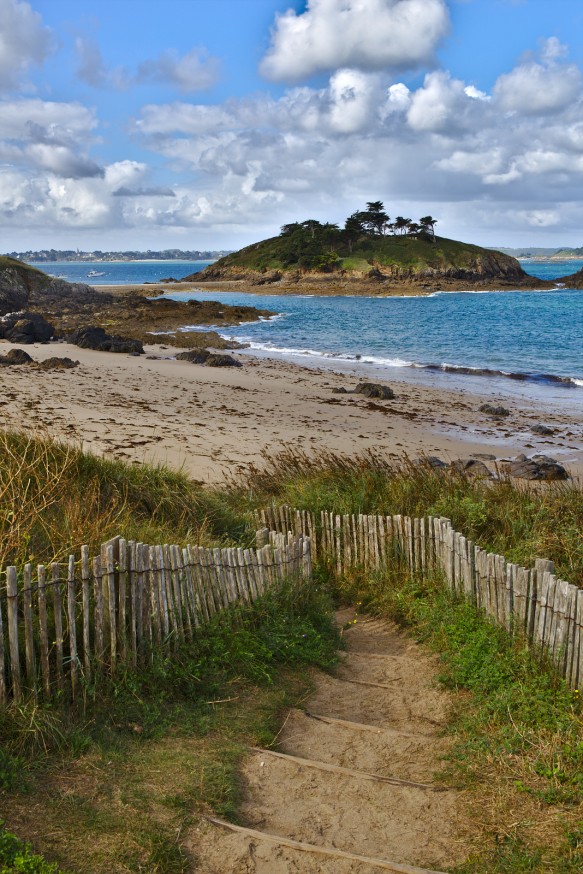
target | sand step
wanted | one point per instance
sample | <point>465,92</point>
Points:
<point>396,705</point>
<point>347,772</point>
<point>361,746</point>
<point>331,806</point>
<point>333,852</point>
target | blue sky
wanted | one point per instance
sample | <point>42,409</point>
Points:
<point>209,123</point>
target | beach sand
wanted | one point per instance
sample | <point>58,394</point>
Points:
<point>211,422</point>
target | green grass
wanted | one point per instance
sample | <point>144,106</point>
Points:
<point>55,497</point>
<point>289,252</point>
<point>17,856</point>
<point>138,760</point>
<point>521,522</point>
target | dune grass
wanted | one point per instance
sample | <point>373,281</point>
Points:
<point>54,497</point>
<point>521,521</point>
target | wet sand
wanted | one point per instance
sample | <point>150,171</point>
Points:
<point>211,422</point>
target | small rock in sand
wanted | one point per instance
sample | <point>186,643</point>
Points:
<point>492,410</point>
<point>471,467</point>
<point>375,390</point>
<point>15,356</point>
<point>222,361</point>
<point>195,356</point>
<point>429,461</point>
<point>56,364</point>
<point>537,467</point>
<point>542,430</point>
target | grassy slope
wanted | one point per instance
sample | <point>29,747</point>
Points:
<point>21,267</point>
<point>390,250</point>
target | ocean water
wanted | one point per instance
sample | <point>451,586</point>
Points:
<point>120,272</point>
<point>520,342</point>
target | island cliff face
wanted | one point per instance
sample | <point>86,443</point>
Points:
<point>374,264</point>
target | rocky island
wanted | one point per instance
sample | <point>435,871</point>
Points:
<point>370,255</point>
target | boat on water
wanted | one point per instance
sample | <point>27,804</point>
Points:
<point>96,273</point>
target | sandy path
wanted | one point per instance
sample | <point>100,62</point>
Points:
<point>210,421</point>
<point>379,715</point>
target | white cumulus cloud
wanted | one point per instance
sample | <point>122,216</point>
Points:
<point>366,34</point>
<point>24,40</point>
<point>534,87</point>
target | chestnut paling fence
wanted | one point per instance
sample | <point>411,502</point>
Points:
<point>64,625</point>
<point>531,602</point>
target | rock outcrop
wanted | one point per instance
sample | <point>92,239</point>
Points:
<point>575,280</point>
<point>96,338</point>
<point>540,468</point>
<point>25,327</point>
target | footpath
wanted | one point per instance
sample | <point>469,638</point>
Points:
<point>349,785</point>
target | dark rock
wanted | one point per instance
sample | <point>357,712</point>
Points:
<point>430,461</point>
<point>25,327</point>
<point>542,430</point>
<point>339,391</point>
<point>484,456</point>
<point>537,467</point>
<point>491,410</point>
<point>374,390</point>
<point>222,361</point>
<point>56,364</point>
<point>197,356</point>
<point>15,356</point>
<point>471,467</point>
<point>96,338</point>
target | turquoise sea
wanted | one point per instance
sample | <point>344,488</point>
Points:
<point>519,342</point>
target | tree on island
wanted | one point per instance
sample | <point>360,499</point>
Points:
<point>428,224</point>
<point>307,241</point>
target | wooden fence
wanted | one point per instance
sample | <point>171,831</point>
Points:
<point>71,622</point>
<point>529,601</point>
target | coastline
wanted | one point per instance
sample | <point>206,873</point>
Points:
<point>325,288</point>
<point>212,422</point>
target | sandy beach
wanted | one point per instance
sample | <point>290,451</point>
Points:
<point>213,421</point>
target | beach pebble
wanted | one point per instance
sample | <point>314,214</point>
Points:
<point>542,430</point>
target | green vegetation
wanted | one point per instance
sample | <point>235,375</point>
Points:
<point>55,497</point>
<point>24,269</point>
<point>517,730</point>
<point>368,241</point>
<point>17,856</point>
<point>133,767</point>
<point>521,522</point>
<point>115,783</point>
